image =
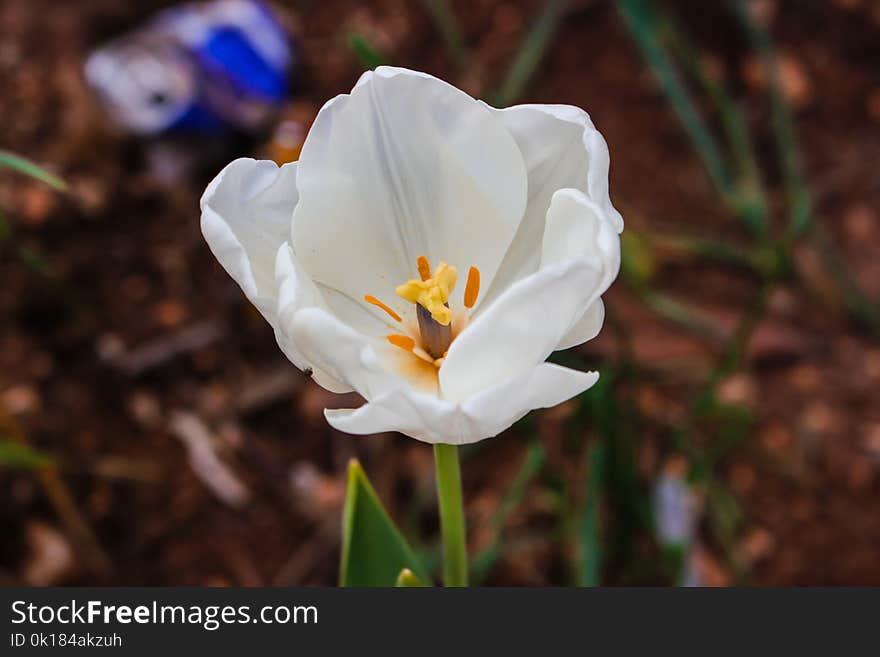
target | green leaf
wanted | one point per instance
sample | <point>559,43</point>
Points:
<point>16,455</point>
<point>406,579</point>
<point>28,168</point>
<point>373,550</point>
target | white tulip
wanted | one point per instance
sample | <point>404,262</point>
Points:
<point>407,173</point>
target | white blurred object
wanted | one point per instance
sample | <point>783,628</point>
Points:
<point>676,510</point>
<point>205,461</point>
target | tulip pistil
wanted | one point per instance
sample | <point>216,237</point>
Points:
<point>432,293</point>
<point>436,337</point>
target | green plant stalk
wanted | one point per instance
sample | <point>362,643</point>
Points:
<point>709,249</point>
<point>644,25</point>
<point>589,525</point>
<point>28,168</point>
<point>444,22</point>
<point>796,189</point>
<point>365,52</point>
<point>531,52</point>
<point>697,323</point>
<point>857,303</point>
<point>750,202</point>
<point>452,526</point>
<point>485,560</point>
<point>16,455</point>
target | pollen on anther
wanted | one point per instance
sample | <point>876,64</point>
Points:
<point>403,341</point>
<point>374,301</point>
<point>472,289</point>
<point>424,267</point>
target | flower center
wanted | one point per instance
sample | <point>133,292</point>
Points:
<point>430,294</point>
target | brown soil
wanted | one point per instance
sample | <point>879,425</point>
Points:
<point>137,328</point>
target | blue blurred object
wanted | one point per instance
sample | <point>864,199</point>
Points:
<point>195,68</point>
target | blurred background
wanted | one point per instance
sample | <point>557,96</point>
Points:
<point>151,432</point>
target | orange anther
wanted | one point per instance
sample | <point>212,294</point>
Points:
<point>472,289</point>
<point>403,341</point>
<point>374,301</point>
<point>424,267</point>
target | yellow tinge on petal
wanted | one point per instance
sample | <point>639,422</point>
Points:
<point>432,293</point>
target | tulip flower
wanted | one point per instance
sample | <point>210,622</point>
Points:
<point>429,252</point>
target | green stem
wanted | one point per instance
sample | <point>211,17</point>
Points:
<point>451,515</point>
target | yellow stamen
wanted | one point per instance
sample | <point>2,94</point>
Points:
<point>424,267</point>
<point>403,341</point>
<point>472,289</point>
<point>433,293</point>
<point>374,301</point>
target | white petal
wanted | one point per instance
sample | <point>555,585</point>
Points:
<point>329,383</point>
<point>406,165</point>
<point>362,316</point>
<point>487,414</point>
<point>412,413</point>
<point>342,353</point>
<point>586,328</point>
<point>576,227</point>
<point>296,291</point>
<point>561,148</point>
<point>544,386</point>
<point>520,328</point>
<point>246,215</point>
